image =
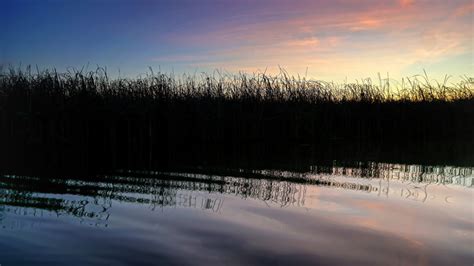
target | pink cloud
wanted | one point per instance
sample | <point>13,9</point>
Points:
<point>306,42</point>
<point>330,44</point>
<point>464,10</point>
<point>406,3</point>
<point>366,24</point>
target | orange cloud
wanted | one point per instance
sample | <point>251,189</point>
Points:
<point>308,42</point>
<point>382,37</point>
<point>406,3</point>
<point>366,24</point>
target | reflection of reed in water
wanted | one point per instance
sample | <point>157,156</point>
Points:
<point>278,192</point>
<point>90,210</point>
<point>414,179</point>
<point>463,176</point>
<point>90,201</point>
<point>282,193</point>
<point>410,173</point>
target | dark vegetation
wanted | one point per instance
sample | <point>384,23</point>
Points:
<point>87,122</point>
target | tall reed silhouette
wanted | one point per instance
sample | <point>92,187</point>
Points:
<point>88,122</point>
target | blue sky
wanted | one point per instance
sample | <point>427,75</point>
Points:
<point>329,40</point>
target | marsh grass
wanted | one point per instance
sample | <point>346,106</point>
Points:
<point>87,120</point>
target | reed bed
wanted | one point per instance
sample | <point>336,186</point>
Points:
<point>87,120</point>
<point>242,87</point>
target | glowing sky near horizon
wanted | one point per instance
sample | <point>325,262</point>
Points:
<point>327,40</point>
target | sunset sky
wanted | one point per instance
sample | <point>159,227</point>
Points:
<point>326,40</point>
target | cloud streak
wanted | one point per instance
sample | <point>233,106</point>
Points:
<point>334,40</point>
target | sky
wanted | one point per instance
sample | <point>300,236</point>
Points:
<point>333,40</point>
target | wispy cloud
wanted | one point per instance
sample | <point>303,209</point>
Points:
<point>353,39</point>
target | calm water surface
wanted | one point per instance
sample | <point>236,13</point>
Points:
<point>380,214</point>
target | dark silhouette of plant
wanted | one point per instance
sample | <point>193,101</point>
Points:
<point>82,121</point>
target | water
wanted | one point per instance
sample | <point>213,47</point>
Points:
<point>375,213</point>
